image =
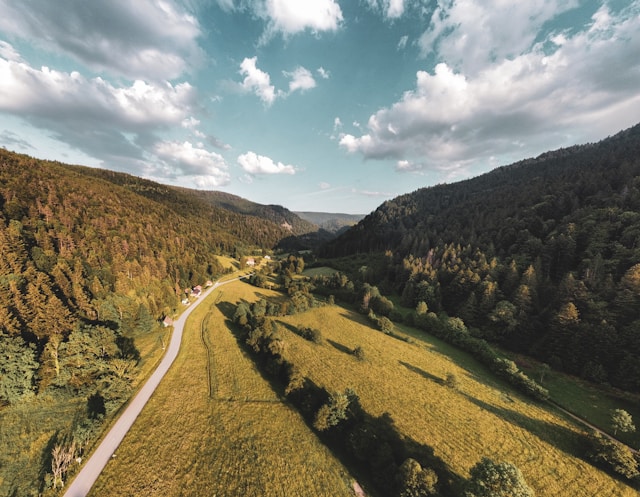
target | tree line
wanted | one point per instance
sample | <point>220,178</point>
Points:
<point>542,256</point>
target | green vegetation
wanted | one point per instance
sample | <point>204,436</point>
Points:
<point>541,257</point>
<point>92,262</point>
<point>406,385</point>
<point>229,434</point>
<point>489,479</point>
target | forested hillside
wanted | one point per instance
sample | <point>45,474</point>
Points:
<point>542,256</point>
<point>289,221</point>
<point>91,258</point>
<point>332,222</point>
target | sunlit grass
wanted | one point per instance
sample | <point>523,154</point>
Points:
<point>483,417</point>
<point>241,441</point>
<point>228,262</point>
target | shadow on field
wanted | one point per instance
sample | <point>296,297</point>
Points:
<point>422,372</point>
<point>290,327</point>
<point>227,309</point>
<point>339,347</point>
<point>564,439</point>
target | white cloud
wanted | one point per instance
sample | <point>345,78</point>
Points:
<point>142,39</point>
<point>257,81</point>
<point>183,159</point>
<point>337,124</point>
<point>369,193</point>
<point>585,86</point>
<point>469,34</point>
<point>301,79</point>
<point>50,94</point>
<point>395,8</point>
<point>324,185</point>
<point>391,9</point>
<point>113,124</point>
<point>402,43</point>
<point>293,16</point>
<point>255,164</point>
<point>8,52</point>
<point>323,73</point>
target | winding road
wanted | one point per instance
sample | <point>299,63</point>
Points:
<point>89,473</point>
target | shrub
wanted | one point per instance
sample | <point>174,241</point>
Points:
<point>358,353</point>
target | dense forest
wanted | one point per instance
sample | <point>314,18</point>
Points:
<point>289,221</point>
<point>542,256</point>
<point>90,258</point>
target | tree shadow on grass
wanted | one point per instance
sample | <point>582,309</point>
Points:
<point>566,440</point>
<point>560,437</point>
<point>339,347</point>
<point>422,372</point>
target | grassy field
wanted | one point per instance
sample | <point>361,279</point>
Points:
<point>215,427</point>
<point>483,417</point>
<point>593,403</point>
<point>319,271</point>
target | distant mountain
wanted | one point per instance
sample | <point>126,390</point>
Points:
<point>542,256</point>
<point>331,222</point>
<point>289,221</point>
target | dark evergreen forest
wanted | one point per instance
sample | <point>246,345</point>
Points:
<point>541,257</point>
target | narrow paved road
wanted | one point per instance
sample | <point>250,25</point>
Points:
<point>89,473</point>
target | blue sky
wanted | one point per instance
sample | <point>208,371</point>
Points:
<point>317,105</point>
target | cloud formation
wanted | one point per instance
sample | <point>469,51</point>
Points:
<point>144,39</point>
<point>257,81</point>
<point>301,79</point>
<point>571,81</point>
<point>255,164</point>
<point>183,159</point>
<point>293,16</point>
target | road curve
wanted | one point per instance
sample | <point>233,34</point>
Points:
<point>89,473</point>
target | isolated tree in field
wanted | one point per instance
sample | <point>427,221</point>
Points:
<point>490,479</point>
<point>452,381</point>
<point>358,353</point>
<point>416,481</point>
<point>331,413</point>
<point>622,421</point>
<point>385,324</point>
<point>616,456</point>
<point>62,455</point>
<point>543,370</point>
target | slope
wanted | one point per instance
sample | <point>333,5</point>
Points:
<point>542,256</point>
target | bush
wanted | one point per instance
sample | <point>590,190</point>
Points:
<point>612,455</point>
<point>490,479</point>
<point>358,353</point>
<point>311,334</point>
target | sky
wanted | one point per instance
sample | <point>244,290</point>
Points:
<point>316,105</point>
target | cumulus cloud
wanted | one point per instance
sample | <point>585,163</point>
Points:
<point>257,81</point>
<point>183,159</point>
<point>255,164</point>
<point>7,52</point>
<point>469,34</point>
<point>114,124</point>
<point>301,79</point>
<point>585,84</point>
<point>293,16</point>
<point>142,39</point>
<point>56,95</point>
